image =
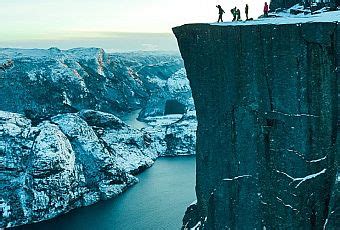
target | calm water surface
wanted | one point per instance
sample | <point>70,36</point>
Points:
<point>131,119</point>
<point>158,201</point>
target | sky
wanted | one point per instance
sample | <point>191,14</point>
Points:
<point>73,23</point>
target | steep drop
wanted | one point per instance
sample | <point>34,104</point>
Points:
<point>266,102</point>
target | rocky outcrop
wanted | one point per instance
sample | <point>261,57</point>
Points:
<point>51,82</point>
<point>283,4</point>
<point>169,96</point>
<point>69,161</point>
<point>266,99</point>
<point>175,134</point>
<point>56,154</point>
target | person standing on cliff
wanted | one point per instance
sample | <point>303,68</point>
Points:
<point>220,13</point>
<point>238,14</point>
<point>247,11</point>
<point>234,13</point>
<point>265,9</point>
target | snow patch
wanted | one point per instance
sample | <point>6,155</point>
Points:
<point>5,209</point>
<point>236,178</point>
<point>303,179</point>
<point>285,18</point>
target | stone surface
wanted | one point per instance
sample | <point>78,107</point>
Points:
<point>51,82</point>
<point>266,100</point>
<point>283,4</point>
<point>56,154</point>
<point>175,134</point>
<point>70,161</point>
<point>174,91</point>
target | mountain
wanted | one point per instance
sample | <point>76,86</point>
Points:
<point>50,82</point>
<point>62,143</point>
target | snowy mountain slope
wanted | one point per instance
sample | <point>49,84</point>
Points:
<point>57,151</point>
<point>50,82</point>
<point>70,161</point>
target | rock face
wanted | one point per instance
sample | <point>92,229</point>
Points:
<point>58,152</point>
<point>283,4</point>
<point>266,100</point>
<point>169,96</point>
<point>69,161</point>
<point>51,82</point>
<point>175,134</point>
<point>163,77</point>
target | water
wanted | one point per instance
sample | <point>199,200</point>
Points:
<point>157,202</point>
<point>131,119</point>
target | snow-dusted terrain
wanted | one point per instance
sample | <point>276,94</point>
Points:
<point>88,79</point>
<point>286,18</point>
<point>70,161</point>
<point>62,145</point>
<point>176,133</point>
<point>266,97</point>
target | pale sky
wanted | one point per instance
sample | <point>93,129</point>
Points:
<point>23,20</point>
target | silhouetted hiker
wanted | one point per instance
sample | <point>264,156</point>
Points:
<point>234,13</point>
<point>220,13</point>
<point>246,11</point>
<point>238,13</point>
<point>265,9</point>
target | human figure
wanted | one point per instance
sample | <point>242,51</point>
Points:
<point>266,9</point>
<point>220,13</point>
<point>238,13</point>
<point>234,13</point>
<point>246,11</point>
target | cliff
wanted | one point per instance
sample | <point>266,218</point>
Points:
<point>51,82</point>
<point>266,97</point>
<point>70,161</point>
<point>58,152</point>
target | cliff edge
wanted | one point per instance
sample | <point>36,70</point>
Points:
<point>266,98</point>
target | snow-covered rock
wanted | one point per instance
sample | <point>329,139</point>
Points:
<point>70,161</point>
<point>175,134</point>
<point>51,82</point>
<point>285,18</point>
<point>174,89</point>
<point>58,152</point>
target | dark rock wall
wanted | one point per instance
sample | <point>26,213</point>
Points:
<point>266,98</point>
<point>276,4</point>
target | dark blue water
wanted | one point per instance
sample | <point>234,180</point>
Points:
<point>157,202</point>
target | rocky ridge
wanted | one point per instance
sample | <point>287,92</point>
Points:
<point>69,161</point>
<point>58,151</point>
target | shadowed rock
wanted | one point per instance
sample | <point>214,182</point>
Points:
<point>266,99</point>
